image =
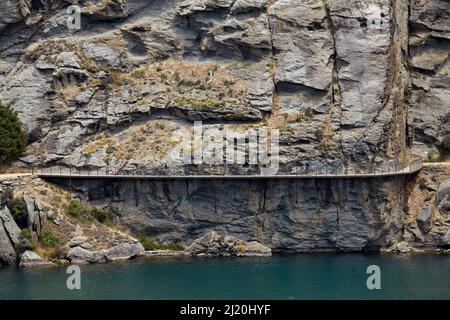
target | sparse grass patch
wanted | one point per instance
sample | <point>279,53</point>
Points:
<point>184,101</point>
<point>26,240</point>
<point>138,73</point>
<point>48,239</point>
<point>85,212</point>
<point>432,157</point>
<point>94,146</point>
<point>149,244</point>
<point>118,78</point>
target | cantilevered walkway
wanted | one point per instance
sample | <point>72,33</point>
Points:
<point>383,170</point>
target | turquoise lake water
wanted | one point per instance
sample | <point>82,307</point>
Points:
<point>310,276</point>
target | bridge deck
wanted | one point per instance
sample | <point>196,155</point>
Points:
<point>381,171</point>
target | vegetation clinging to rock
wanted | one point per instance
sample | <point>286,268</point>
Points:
<point>149,244</point>
<point>81,211</point>
<point>48,239</point>
<point>19,212</point>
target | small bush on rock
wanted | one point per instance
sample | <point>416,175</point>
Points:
<point>149,245</point>
<point>84,212</point>
<point>101,215</point>
<point>432,157</point>
<point>26,240</point>
<point>19,212</point>
<point>48,239</point>
<point>77,210</point>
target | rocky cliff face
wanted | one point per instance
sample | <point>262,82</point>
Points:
<point>350,83</point>
<point>429,95</point>
<point>286,215</point>
<point>332,76</point>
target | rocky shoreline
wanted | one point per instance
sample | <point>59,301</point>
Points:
<point>36,229</point>
<point>347,84</point>
<point>40,221</point>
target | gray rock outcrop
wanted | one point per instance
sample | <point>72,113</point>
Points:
<point>446,238</point>
<point>402,247</point>
<point>347,84</point>
<point>429,111</point>
<point>32,259</point>
<point>424,220</point>
<point>443,196</point>
<point>285,215</point>
<point>330,75</point>
<point>125,251</point>
<point>213,244</point>
<point>37,217</point>
<point>9,238</point>
<point>79,255</point>
<point>8,255</point>
<point>10,225</point>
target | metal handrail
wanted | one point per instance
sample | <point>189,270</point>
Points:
<point>385,169</point>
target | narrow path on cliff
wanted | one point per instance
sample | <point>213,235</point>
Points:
<point>7,176</point>
<point>437,164</point>
<point>379,170</point>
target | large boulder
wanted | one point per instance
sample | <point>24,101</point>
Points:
<point>213,244</point>
<point>37,217</point>
<point>12,11</point>
<point>446,238</point>
<point>402,247</point>
<point>126,251</point>
<point>78,241</point>
<point>31,259</point>
<point>9,238</point>
<point>8,255</point>
<point>79,255</point>
<point>10,225</point>
<point>424,220</point>
<point>443,196</point>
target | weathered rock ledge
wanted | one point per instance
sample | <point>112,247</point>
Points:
<point>214,244</point>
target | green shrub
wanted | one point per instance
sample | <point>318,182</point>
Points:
<point>101,215</point>
<point>26,240</point>
<point>48,239</point>
<point>432,157</point>
<point>19,212</point>
<point>81,211</point>
<point>149,244</point>
<point>77,210</point>
<point>12,137</point>
<point>25,234</point>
